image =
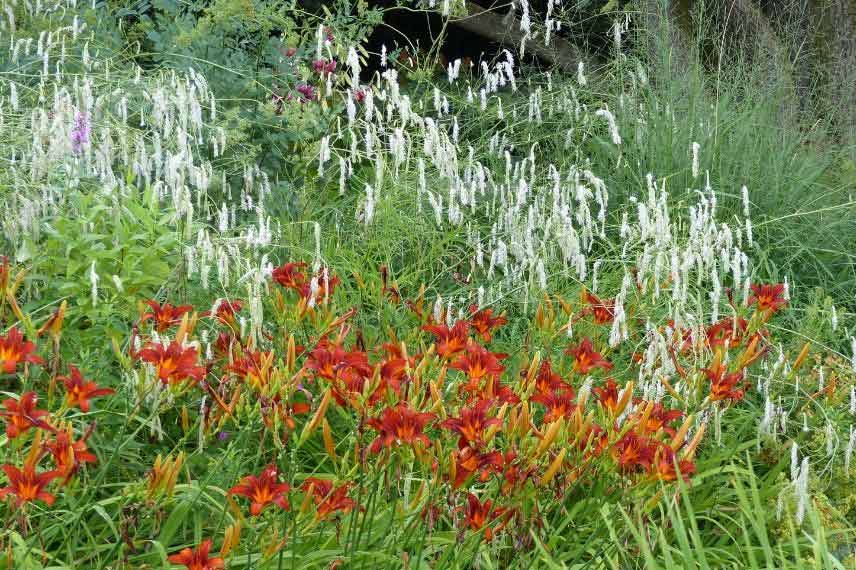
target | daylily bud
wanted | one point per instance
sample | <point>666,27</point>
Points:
<point>316,419</point>
<point>554,467</point>
<point>328,440</point>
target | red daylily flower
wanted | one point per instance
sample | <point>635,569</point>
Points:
<point>586,359</point>
<point>559,404</point>
<point>603,311</point>
<point>484,322</point>
<point>547,381</point>
<point>478,514</point>
<point>634,452</point>
<point>664,469</point>
<point>479,363</point>
<point>79,390</point>
<point>14,350</point>
<point>319,288</point>
<point>197,559</point>
<point>173,363</point>
<point>275,408</point>
<point>723,386</point>
<point>660,418</point>
<point>68,454</point>
<point>468,461</point>
<point>347,371</point>
<point>290,276</point>
<point>449,341</point>
<point>608,395</point>
<point>727,332</point>
<point>400,425</point>
<point>165,315</point>
<point>768,297</point>
<point>26,485</point>
<point>472,424</point>
<point>226,310</point>
<point>328,500</point>
<point>21,415</point>
<point>502,392</point>
<point>514,471</point>
<point>253,367</point>
<point>393,371</point>
<point>263,490</point>
<point>329,360</point>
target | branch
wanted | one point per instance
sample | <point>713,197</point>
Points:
<point>492,26</point>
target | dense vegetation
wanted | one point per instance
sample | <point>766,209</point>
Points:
<point>279,290</point>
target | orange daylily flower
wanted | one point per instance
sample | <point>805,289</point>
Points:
<point>472,424</point>
<point>547,381</point>
<point>253,367</point>
<point>347,371</point>
<point>275,408</point>
<point>603,311</point>
<point>484,322</point>
<point>659,418</point>
<point>723,386</point>
<point>467,461</point>
<point>319,288</point>
<point>174,363</point>
<point>21,415</point>
<point>328,499</point>
<point>634,452</point>
<point>449,341</point>
<point>26,485</point>
<point>69,455</point>
<point>608,395</point>
<point>197,559</point>
<point>400,425</point>
<point>225,311</point>
<point>514,473</point>
<point>559,404</point>
<point>263,490</point>
<point>15,350</point>
<point>727,332</point>
<point>479,363</point>
<point>768,297</point>
<point>586,359</point>
<point>165,315</point>
<point>393,372</point>
<point>478,514</point>
<point>79,390</point>
<point>330,360</point>
<point>289,276</point>
<point>502,392</point>
<point>664,469</point>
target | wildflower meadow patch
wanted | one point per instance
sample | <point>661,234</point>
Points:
<point>273,299</point>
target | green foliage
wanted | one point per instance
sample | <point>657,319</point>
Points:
<point>125,239</point>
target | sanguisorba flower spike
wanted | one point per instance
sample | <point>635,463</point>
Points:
<point>263,490</point>
<point>198,559</point>
<point>15,350</point>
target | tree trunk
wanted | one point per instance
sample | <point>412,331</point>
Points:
<point>843,21</point>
